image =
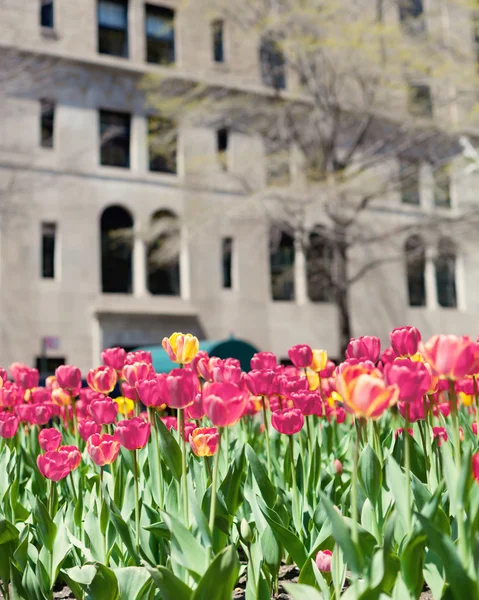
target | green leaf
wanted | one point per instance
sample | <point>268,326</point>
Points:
<point>219,580</point>
<point>230,489</point>
<point>412,562</point>
<point>132,582</point>
<point>170,451</point>
<point>97,581</point>
<point>154,463</point>
<point>370,474</point>
<point>397,484</point>
<point>185,548</point>
<point>434,574</point>
<point>61,548</point>
<point>271,548</point>
<point>8,532</point>
<point>45,527</point>
<point>171,588</point>
<point>266,488</point>
<point>302,592</point>
<point>122,528</point>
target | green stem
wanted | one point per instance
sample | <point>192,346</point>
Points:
<point>266,431</point>
<point>137,501</point>
<point>424,448</point>
<point>461,531</point>
<point>308,429</point>
<point>295,485</point>
<point>407,468</point>
<point>354,485</point>
<point>215,481</point>
<point>184,481</point>
<point>251,566</point>
<point>50,500</point>
<point>151,416</point>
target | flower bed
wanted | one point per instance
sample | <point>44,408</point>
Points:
<point>312,481</point>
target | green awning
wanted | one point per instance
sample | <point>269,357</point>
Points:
<point>231,348</point>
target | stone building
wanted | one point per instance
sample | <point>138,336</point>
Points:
<point>75,165</point>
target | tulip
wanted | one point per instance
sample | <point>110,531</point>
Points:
<point>149,392</point>
<point>309,403</point>
<point>178,389</point>
<point>450,357</point>
<point>133,434</point>
<point>204,441</point>
<point>49,439</point>
<point>68,377</point>
<point>114,358</point>
<point>475,466</point>
<point>224,403</point>
<point>365,394</point>
<point>288,420</point>
<point>3,375</point>
<point>8,425</point>
<point>188,428</point>
<point>129,391</point>
<point>405,340</point>
<point>196,410</point>
<point>440,434</point>
<point>263,360</point>
<point>412,378</point>
<point>364,348</point>
<point>137,372</point>
<point>102,379</point>
<point>38,395</point>
<point>336,413</point>
<point>338,466</point>
<point>103,449</point>
<point>10,395</point>
<point>73,455</point>
<point>87,428</point>
<point>260,381</point>
<point>291,384</point>
<point>301,356</point>
<point>474,428</point>
<point>400,431</point>
<point>320,360</point>
<point>61,397</point>
<point>104,411</point>
<point>27,378</point>
<point>193,365</point>
<point>181,348</point>
<point>54,465</point>
<point>413,411</point>
<point>138,356</point>
<point>328,370</point>
<point>170,422</point>
<point>126,406</point>
<point>36,414</point>
<point>388,356</point>
<point>323,560</point>
<point>224,372</point>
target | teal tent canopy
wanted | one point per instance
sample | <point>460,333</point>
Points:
<point>231,348</point>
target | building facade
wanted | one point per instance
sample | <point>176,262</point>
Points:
<point>76,168</point>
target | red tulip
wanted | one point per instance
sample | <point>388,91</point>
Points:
<point>224,403</point>
<point>366,347</point>
<point>103,449</point>
<point>88,427</point>
<point>49,439</point>
<point>103,411</point>
<point>114,358</point>
<point>133,434</point>
<point>178,389</point>
<point>263,360</point>
<point>405,340</point>
<point>288,420</point>
<point>301,356</point>
<point>102,379</point>
<point>323,560</point>
<point>68,377</point>
<point>260,381</point>
<point>204,441</point>
<point>450,357</point>
<point>54,465</point>
<point>8,425</point>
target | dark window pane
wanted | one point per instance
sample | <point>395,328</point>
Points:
<point>47,365</point>
<point>162,255</point>
<point>47,108</point>
<point>218,45</point>
<point>222,147</point>
<point>411,15</point>
<point>116,250</point>
<point>416,269</point>
<point>227,252</point>
<point>160,35</point>
<point>48,250</point>
<point>114,139</point>
<point>446,274</point>
<point>282,266</point>
<point>273,66</point>
<point>409,176</point>
<point>162,140</point>
<point>475,27</point>
<point>442,195</point>
<point>46,13</point>
<point>320,260</point>
<point>420,100</point>
<point>113,28</point>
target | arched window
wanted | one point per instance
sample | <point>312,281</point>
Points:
<point>162,254</point>
<point>320,259</point>
<point>273,64</point>
<point>446,273</point>
<point>116,250</point>
<point>416,267</point>
<point>282,265</point>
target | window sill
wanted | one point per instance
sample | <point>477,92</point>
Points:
<point>50,33</point>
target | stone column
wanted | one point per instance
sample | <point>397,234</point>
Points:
<point>139,263</point>
<point>300,279</point>
<point>430,276</point>
<point>139,144</point>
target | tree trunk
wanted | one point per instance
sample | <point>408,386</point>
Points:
<point>342,295</point>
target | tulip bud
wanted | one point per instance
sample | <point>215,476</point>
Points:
<point>405,340</point>
<point>246,533</point>
<point>365,347</point>
<point>133,434</point>
<point>338,467</point>
<point>8,425</point>
<point>138,356</point>
<point>49,439</point>
<point>103,411</point>
<point>323,560</point>
<point>54,465</point>
<point>88,427</point>
<point>68,377</point>
<point>178,389</point>
<point>114,358</point>
<point>263,360</point>
<point>287,421</point>
<point>181,348</point>
<point>301,356</point>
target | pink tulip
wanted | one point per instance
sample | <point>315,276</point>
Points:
<point>54,465</point>
<point>413,411</point>
<point>178,389</point>
<point>309,403</point>
<point>474,428</point>
<point>36,414</point>
<point>114,358</point>
<point>388,356</point>
<point>338,467</point>
<point>323,560</point>
<point>102,379</point>
<point>335,413</point>
<point>138,356</point>
<point>27,378</point>
<point>68,377</point>
<point>400,431</point>
<point>204,441</point>
<point>170,422</point>
<point>10,395</point>
<point>8,425</point>
<point>3,375</point>
<point>224,403</point>
<point>292,384</point>
<point>365,347</point>
<point>475,466</point>
<point>260,381</point>
<point>87,427</point>
<point>196,410</point>
<point>149,392</point>
<point>103,412</point>
<point>49,439</point>
<point>129,392</point>
<point>15,369</point>
<point>72,454</point>
<point>405,340</point>
<point>287,420</point>
<point>133,434</point>
<point>440,434</point>
<point>301,356</point>
<point>103,449</point>
<point>450,357</point>
<point>412,378</point>
<point>137,372</point>
<point>328,371</point>
<point>226,372</point>
<point>263,360</point>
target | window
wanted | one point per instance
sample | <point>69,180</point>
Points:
<point>162,140</point>
<point>446,273</point>
<point>222,147</point>
<point>113,27</point>
<point>273,66</point>
<point>411,16</point>
<point>163,254</point>
<point>416,269</point>
<point>47,365</point>
<point>47,121</point>
<point>48,250</point>
<point>46,13</point>
<point>420,100</point>
<point>218,42</point>
<point>160,35</point>
<point>114,139</point>
<point>282,265</point>
<point>442,184</point>
<point>227,254</point>
<point>116,230</point>
<point>320,260</point>
<point>475,29</point>
<point>409,180</point>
